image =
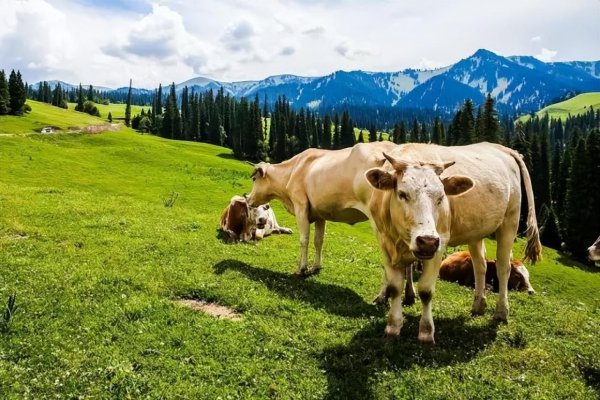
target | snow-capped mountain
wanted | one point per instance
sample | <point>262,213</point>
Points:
<point>517,83</point>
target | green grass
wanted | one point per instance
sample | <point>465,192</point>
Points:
<point>574,106</point>
<point>117,110</point>
<point>95,259</point>
<point>43,115</point>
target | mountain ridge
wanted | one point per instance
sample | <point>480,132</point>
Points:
<point>519,84</point>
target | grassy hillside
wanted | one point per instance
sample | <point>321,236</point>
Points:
<point>117,110</point>
<point>96,260</point>
<point>43,115</point>
<point>574,106</point>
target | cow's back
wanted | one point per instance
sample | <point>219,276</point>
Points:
<point>497,190</point>
<point>334,181</point>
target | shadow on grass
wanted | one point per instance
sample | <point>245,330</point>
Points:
<point>227,156</point>
<point>333,299</point>
<point>569,262</point>
<point>350,368</point>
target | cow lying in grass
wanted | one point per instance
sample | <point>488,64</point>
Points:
<point>594,250</point>
<point>244,223</point>
<point>458,267</point>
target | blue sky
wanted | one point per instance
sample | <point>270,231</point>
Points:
<point>152,41</point>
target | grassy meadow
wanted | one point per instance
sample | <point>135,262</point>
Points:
<point>574,106</point>
<point>43,115</point>
<point>96,260</point>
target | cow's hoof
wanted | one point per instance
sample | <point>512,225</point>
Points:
<point>315,270</point>
<point>408,301</point>
<point>392,330</point>
<point>303,272</point>
<point>501,316</point>
<point>426,339</point>
<point>380,300</point>
<point>479,305</point>
<point>286,231</point>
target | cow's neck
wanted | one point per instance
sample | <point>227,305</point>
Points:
<point>280,176</point>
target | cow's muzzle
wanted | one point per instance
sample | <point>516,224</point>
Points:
<point>426,247</point>
<point>594,253</point>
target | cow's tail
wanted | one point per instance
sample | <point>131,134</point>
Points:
<point>533,250</point>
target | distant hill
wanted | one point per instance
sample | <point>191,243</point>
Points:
<point>573,106</point>
<point>520,84</point>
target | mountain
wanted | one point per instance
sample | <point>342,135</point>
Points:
<point>519,84</point>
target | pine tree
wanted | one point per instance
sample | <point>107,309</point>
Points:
<point>4,94</point>
<point>466,124</point>
<point>372,134</point>
<point>436,132</point>
<point>159,102</point>
<point>110,119</point>
<point>90,94</point>
<point>127,106</point>
<point>347,131</point>
<point>16,92</point>
<point>414,132</point>
<point>577,212</point>
<point>489,124</point>
<point>326,138</point>
<point>80,101</point>
<point>593,166</point>
<point>361,138</point>
<point>336,132</point>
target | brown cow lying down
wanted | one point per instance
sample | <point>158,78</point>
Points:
<point>594,250</point>
<point>458,267</point>
<point>244,223</point>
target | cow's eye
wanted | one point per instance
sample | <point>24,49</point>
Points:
<point>440,200</point>
<point>253,178</point>
<point>403,196</point>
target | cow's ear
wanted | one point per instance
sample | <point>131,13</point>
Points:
<point>381,179</point>
<point>455,185</point>
<point>267,206</point>
<point>258,171</point>
<point>241,203</point>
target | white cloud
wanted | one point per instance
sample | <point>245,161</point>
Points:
<point>168,41</point>
<point>546,55</point>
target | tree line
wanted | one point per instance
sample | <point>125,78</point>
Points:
<point>13,93</point>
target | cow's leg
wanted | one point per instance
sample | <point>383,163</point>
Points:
<point>505,236</point>
<point>319,236</point>
<point>409,293</point>
<point>304,228</point>
<point>395,284</point>
<point>477,250</point>
<point>431,269</point>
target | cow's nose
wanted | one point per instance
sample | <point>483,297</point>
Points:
<point>428,244</point>
<point>531,291</point>
<point>262,221</point>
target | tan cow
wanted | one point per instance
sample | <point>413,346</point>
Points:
<point>317,186</point>
<point>415,219</point>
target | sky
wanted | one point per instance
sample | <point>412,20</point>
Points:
<point>106,42</point>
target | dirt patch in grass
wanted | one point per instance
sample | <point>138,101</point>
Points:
<point>213,309</point>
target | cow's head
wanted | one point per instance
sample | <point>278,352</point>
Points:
<point>418,201</point>
<point>262,215</point>
<point>594,250</point>
<point>261,188</point>
<point>519,278</point>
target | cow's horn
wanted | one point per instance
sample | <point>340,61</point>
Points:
<point>398,165</point>
<point>248,162</point>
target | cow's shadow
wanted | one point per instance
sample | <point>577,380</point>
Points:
<point>331,298</point>
<point>350,368</point>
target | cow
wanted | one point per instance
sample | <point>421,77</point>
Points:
<point>317,186</point>
<point>458,267</point>
<point>594,250</point>
<point>266,213</point>
<point>429,197</point>
<point>239,221</point>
